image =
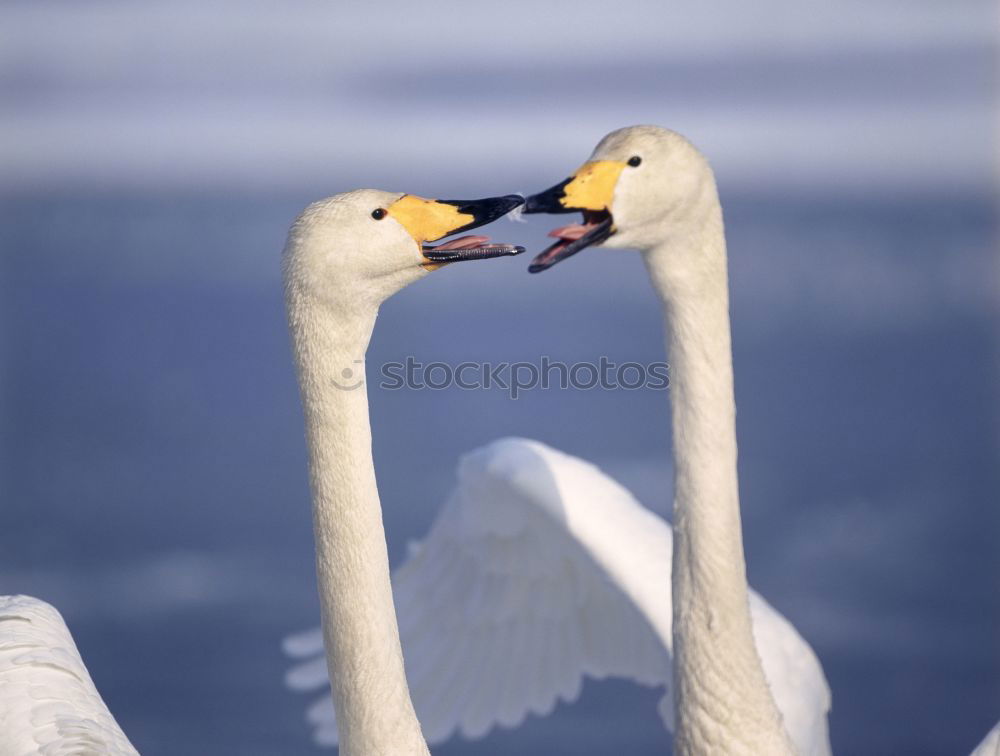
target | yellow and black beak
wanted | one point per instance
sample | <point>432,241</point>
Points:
<point>428,220</point>
<point>589,191</point>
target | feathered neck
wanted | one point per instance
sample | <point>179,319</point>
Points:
<point>722,700</point>
<point>371,699</point>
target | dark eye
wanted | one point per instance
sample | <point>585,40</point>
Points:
<point>634,161</point>
<point>378,214</point>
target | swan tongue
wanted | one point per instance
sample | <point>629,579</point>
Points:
<point>571,240</point>
<point>571,232</point>
<point>462,242</point>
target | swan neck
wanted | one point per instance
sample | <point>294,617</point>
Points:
<point>721,695</point>
<point>371,700</point>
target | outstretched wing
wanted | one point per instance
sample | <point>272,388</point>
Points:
<point>795,677</point>
<point>48,703</point>
<point>538,571</point>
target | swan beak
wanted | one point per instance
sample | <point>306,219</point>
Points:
<point>430,219</point>
<point>590,190</point>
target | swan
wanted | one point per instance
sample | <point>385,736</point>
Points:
<point>344,256</point>
<point>649,188</point>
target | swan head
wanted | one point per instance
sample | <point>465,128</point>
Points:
<point>640,185</point>
<point>367,244</point>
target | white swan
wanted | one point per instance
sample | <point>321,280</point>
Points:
<point>540,570</point>
<point>344,256</point>
<point>648,188</point>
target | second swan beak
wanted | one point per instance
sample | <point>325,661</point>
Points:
<point>590,191</point>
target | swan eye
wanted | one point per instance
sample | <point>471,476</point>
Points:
<point>634,161</point>
<point>378,214</point>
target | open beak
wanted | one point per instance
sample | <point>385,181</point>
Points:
<point>588,191</point>
<point>428,220</point>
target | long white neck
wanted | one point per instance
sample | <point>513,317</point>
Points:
<point>371,699</point>
<point>722,700</point>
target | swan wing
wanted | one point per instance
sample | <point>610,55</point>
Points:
<point>538,571</point>
<point>795,677</point>
<point>48,703</point>
<point>990,745</point>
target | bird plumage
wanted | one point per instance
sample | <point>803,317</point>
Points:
<point>539,571</point>
<point>48,702</point>
<point>990,745</point>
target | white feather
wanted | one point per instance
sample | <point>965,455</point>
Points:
<point>48,703</point>
<point>539,570</point>
<point>990,745</point>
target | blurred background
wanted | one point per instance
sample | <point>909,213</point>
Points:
<point>154,488</point>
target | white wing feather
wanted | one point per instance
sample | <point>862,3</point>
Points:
<point>538,571</point>
<point>990,745</point>
<point>48,703</point>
